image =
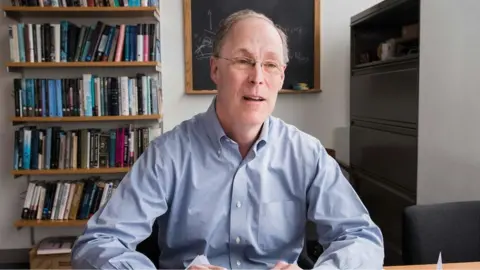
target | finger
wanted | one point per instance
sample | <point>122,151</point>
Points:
<point>280,265</point>
<point>214,267</point>
<point>292,267</point>
<point>198,267</point>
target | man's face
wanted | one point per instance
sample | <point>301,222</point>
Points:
<point>246,92</point>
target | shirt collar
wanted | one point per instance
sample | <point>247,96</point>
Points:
<point>215,131</point>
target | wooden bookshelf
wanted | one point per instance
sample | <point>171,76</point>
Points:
<point>70,171</point>
<point>283,91</point>
<point>102,64</point>
<point>85,118</point>
<point>49,223</point>
<point>81,12</point>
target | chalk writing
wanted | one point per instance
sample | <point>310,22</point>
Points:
<point>204,42</point>
<point>301,59</point>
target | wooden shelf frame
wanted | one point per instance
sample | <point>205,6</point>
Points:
<point>188,44</point>
<point>71,171</point>
<point>82,12</point>
<point>21,223</point>
<point>85,118</point>
<point>85,64</point>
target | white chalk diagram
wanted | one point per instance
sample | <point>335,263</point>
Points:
<point>204,42</point>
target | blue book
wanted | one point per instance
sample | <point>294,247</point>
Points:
<point>48,140</point>
<point>21,42</point>
<point>126,43</point>
<point>111,154</point>
<point>64,41</point>
<point>92,94</point>
<point>44,101</point>
<point>52,104</point>
<point>59,94</point>
<point>27,146</point>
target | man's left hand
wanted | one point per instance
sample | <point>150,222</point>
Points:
<point>285,266</point>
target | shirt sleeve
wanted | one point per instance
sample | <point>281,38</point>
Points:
<point>349,237</point>
<point>113,232</point>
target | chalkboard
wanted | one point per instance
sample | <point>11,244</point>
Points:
<point>298,18</point>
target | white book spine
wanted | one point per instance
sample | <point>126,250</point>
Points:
<point>41,202</point>
<point>57,42</point>
<point>71,194</point>
<point>139,44</point>
<point>39,42</point>
<point>124,90</point>
<point>15,44</point>
<point>63,205</point>
<point>55,200</point>
<point>30,43</point>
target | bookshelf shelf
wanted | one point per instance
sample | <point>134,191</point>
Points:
<point>104,64</point>
<point>70,171</point>
<point>283,91</point>
<point>85,118</point>
<point>49,223</point>
<point>79,12</point>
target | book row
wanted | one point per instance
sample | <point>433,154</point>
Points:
<point>67,42</point>
<point>85,3</point>
<point>66,200</point>
<point>89,95</point>
<point>54,148</point>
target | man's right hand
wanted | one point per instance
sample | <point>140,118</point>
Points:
<point>205,267</point>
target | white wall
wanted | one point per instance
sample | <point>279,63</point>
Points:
<point>323,115</point>
<point>449,146</point>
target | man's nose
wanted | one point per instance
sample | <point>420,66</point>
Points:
<point>256,75</point>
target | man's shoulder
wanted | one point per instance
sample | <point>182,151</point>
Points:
<point>291,134</point>
<point>179,135</point>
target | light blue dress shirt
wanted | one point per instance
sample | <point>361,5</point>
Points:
<point>240,213</point>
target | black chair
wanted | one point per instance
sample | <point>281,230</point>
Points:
<point>450,228</point>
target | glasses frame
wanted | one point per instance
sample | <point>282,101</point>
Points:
<point>253,62</point>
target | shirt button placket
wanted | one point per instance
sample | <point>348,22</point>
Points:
<point>237,217</point>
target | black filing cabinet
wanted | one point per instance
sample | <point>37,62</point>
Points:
<point>384,114</point>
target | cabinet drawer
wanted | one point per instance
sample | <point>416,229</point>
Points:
<point>390,153</point>
<point>385,205</point>
<point>387,93</point>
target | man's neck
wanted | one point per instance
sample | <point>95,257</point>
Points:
<point>244,136</point>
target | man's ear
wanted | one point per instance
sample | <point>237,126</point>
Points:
<point>213,69</point>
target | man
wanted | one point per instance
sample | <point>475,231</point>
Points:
<point>234,183</point>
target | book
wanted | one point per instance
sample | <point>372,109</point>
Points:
<point>56,245</point>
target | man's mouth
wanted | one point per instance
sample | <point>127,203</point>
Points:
<point>253,98</point>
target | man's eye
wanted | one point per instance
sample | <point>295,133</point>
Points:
<point>243,61</point>
<point>271,65</point>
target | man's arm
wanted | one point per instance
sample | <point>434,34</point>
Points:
<point>349,237</point>
<point>112,234</point>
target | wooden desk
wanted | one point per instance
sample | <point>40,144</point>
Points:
<point>446,266</point>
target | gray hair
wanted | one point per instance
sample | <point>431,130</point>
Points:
<point>229,22</point>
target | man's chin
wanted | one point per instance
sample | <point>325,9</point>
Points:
<point>253,120</point>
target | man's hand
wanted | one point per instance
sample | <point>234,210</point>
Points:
<point>205,267</point>
<point>285,266</point>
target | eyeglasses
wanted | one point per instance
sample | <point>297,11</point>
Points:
<point>245,63</point>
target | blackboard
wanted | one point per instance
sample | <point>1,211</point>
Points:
<point>298,18</point>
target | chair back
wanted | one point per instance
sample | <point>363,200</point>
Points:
<point>450,228</point>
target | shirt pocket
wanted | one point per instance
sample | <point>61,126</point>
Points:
<point>280,224</point>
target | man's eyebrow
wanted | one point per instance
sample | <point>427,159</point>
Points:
<point>242,51</point>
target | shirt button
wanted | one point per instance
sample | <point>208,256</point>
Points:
<point>239,204</point>
<point>237,240</point>
<point>239,263</point>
